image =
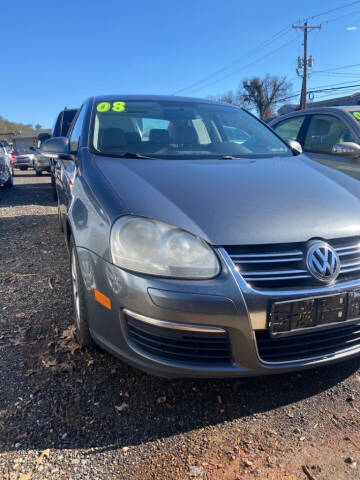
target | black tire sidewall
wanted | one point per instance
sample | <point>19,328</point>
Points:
<point>82,330</point>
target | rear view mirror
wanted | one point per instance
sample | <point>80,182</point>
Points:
<point>347,149</point>
<point>295,146</point>
<point>57,147</point>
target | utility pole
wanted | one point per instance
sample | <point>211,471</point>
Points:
<point>305,62</point>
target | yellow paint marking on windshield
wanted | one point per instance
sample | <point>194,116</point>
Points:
<point>103,107</point>
<point>356,115</point>
<point>117,106</point>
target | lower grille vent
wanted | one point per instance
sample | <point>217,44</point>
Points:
<point>308,345</point>
<point>181,346</point>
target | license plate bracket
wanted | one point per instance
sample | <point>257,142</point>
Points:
<point>296,316</point>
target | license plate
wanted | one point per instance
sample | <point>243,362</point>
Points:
<point>297,315</point>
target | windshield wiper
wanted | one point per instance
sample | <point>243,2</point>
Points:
<point>134,155</point>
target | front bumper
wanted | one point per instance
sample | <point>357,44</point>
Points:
<point>42,164</point>
<point>225,306</point>
<point>23,162</point>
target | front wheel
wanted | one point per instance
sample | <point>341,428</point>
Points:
<point>81,322</point>
<point>9,182</point>
<point>38,172</point>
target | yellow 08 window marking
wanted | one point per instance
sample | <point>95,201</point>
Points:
<point>104,107</point>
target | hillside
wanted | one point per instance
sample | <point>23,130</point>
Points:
<point>18,129</point>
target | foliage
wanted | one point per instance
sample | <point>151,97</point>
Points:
<point>23,129</point>
<point>262,95</point>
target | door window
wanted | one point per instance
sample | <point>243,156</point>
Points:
<point>76,131</point>
<point>324,132</point>
<point>289,129</point>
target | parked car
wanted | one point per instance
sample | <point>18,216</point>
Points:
<point>330,135</point>
<point>196,255</point>
<point>6,168</point>
<point>40,163</point>
<point>60,129</point>
<point>24,161</point>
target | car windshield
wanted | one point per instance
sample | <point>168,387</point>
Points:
<point>180,130</point>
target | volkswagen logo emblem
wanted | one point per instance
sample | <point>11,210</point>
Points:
<point>323,262</point>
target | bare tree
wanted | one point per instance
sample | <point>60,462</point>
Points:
<point>229,97</point>
<point>263,95</point>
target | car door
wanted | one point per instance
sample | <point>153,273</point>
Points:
<point>323,132</point>
<point>65,170</point>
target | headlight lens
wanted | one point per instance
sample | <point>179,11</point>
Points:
<point>155,248</point>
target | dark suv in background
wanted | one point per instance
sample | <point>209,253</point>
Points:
<point>61,127</point>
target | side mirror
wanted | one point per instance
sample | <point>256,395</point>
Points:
<point>347,149</point>
<point>295,146</point>
<point>56,147</point>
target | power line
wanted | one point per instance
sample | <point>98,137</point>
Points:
<point>342,16</point>
<point>339,68</point>
<point>263,44</point>
<point>242,68</point>
<point>334,9</point>
<point>322,89</point>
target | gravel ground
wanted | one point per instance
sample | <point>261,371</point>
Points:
<point>67,413</point>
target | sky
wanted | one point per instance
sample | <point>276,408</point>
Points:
<point>58,53</point>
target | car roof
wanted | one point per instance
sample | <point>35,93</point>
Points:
<point>154,98</point>
<point>314,110</point>
<point>345,108</point>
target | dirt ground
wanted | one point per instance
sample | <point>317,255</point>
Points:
<point>67,413</point>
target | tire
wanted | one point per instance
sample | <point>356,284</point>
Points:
<point>38,172</point>
<point>22,168</point>
<point>54,192</point>
<point>10,182</point>
<point>61,226</point>
<point>81,322</point>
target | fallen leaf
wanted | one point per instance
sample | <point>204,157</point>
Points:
<point>64,367</point>
<point>161,399</point>
<point>51,286</point>
<point>45,454</point>
<point>219,399</point>
<point>25,476</point>
<point>49,362</point>
<point>121,407</point>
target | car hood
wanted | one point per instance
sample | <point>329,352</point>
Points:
<point>240,201</point>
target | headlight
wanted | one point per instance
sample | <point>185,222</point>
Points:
<point>156,248</point>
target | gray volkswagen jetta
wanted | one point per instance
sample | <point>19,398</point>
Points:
<point>201,244</point>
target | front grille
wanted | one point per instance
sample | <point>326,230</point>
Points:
<point>175,345</point>
<point>283,265</point>
<point>307,345</point>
